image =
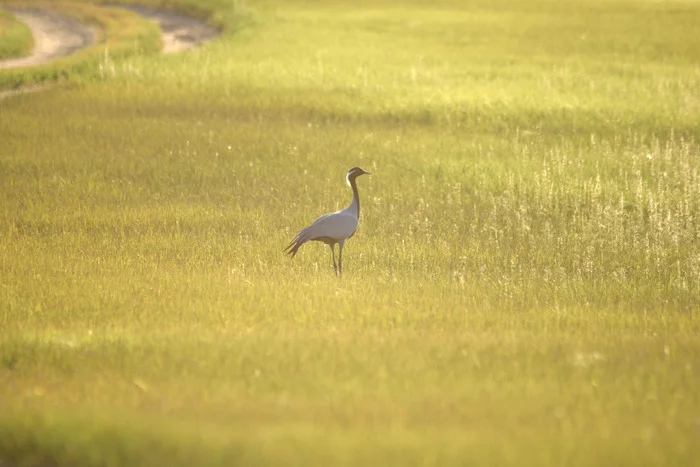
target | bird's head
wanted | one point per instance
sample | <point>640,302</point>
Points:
<point>354,173</point>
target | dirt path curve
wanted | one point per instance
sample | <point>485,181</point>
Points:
<point>179,32</point>
<point>57,35</point>
<point>54,36</point>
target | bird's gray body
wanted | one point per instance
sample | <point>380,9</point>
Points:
<point>333,228</point>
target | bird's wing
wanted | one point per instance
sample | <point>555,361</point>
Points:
<point>338,226</point>
<point>335,226</point>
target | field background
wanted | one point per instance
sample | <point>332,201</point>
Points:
<point>15,37</point>
<point>523,288</point>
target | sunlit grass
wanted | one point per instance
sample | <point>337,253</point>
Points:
<point>523,288</point>
<point>15,36</point>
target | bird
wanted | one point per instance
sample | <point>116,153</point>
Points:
<point>334,228</point>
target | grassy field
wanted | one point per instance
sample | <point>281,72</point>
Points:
<point>523,288</point>
<point>15,37</point>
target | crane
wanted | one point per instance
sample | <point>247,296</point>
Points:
<point>333,228</point>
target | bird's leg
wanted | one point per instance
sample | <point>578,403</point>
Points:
<point>335,266</point>
<point>340,258</point>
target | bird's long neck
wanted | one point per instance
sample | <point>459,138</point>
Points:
<point>355,197</point>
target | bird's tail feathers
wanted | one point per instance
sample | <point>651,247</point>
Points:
<point>296,243</point>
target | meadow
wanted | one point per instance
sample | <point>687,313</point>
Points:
<point>15,37</point>
<point>523,288</point>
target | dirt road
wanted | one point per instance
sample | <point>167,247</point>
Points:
<point>56,35</point>
<point>179,32</point>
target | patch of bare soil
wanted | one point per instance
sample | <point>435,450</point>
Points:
<point>180,32</point>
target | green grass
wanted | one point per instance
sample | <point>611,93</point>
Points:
<point>15,37</point>
<point>523,288</point>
